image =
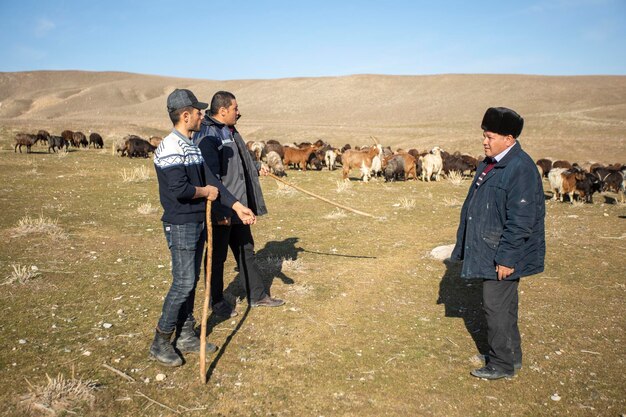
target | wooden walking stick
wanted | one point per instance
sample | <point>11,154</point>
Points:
<point>207,291</point>
<point>341,206</point>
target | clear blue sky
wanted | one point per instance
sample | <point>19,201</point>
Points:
<point>277,39</point>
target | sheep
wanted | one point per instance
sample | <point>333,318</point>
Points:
<point>275,164</point>
<point>25,139</point>
<point>97,141</point>
<point>432,163</point>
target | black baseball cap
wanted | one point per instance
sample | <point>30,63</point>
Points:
<point>180,98</point>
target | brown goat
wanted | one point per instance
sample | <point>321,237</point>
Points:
<point>359,159</point>
<point>569,183</point>
<point>562,164</point>
<point>297,156</point>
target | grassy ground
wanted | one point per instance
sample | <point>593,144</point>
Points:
<point>372,326</point>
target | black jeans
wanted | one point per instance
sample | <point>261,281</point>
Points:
<point>500,303</point>
<point>239,238</point>
<point>186,244</point>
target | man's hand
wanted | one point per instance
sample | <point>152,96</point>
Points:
<point>208,191</point>
<point>245,214</point>
<point>504,272</point>
<point>264,170</point>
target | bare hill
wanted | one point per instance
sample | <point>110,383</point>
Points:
<point>566,117</point>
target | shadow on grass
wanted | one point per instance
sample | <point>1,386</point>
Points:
<point>609,199</point>
<point>276,250</point>
<point>271,257</point>
<point>213,321</point>
<point>286,249</point>
<point>463,299</point>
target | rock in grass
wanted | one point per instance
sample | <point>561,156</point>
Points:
<point>442,252</point>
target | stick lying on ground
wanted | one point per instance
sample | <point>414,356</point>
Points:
<point>320,198</point>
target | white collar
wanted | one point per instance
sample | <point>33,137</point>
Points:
<point>502,154</point>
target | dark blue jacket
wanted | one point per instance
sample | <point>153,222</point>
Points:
<point>227,159</point>
<point>502,221</point>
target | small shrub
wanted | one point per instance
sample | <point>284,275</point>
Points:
<point>274,264</point>
<point>456,178</point>
<point>270,264</point>
<point>21,274</point>
<point>343,186</point>
<point>138,174</point>
<point>60,395</point>
<point>293,265</point>
<point>407,203</point>
<point>451,202</point>
<point>42,225</point>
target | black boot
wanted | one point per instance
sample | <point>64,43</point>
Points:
<point>188,340</point>
<point>163,351</point>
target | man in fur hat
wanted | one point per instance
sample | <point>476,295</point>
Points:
<point>501,235</point>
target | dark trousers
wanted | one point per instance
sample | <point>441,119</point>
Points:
<point>186,244</point>
<point>239,238</point>
<point>500,300</point>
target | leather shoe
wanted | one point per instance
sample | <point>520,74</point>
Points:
<point>268,301</point>
<point>488,372</point>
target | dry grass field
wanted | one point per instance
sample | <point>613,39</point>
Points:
<point>373,326</point>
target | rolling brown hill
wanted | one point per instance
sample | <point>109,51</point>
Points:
<point>582,117</point>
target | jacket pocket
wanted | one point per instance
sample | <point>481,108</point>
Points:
<point>491,239</point>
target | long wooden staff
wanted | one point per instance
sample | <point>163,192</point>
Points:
<point>207,291</point>
<point>320,198</point>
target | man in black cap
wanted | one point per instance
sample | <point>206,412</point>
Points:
<point>183,192</point>
<point>501,235</point>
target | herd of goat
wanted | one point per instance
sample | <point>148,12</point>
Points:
<point>573,180</point>
<point>67,138</point>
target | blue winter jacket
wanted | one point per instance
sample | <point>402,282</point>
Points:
<point>502,221</point>
<point>238,174</point>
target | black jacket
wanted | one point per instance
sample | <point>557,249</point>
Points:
<point>502,221</point>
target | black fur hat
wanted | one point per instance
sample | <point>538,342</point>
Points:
<point>502,121</point>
